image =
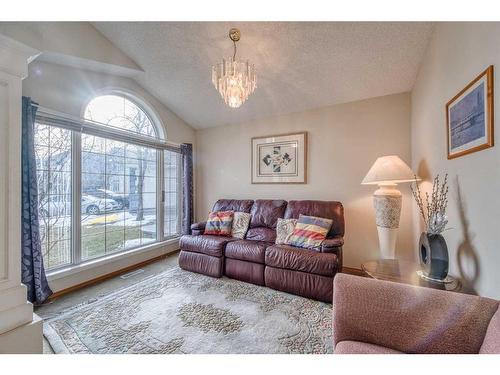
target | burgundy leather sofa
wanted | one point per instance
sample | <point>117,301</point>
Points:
<point>205,253</point>
<point>256,259</point>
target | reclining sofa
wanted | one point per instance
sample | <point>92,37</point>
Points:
<point>258,260</point>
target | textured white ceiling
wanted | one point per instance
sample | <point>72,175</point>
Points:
<point>300,65</point>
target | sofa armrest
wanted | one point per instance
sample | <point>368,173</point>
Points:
<point>408,318</point>
<point>197,229</point>
<point>334,245</point>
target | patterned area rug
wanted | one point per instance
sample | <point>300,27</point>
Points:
<point>183,312</point>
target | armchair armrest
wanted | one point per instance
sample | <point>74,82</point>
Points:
<point>334,245</point>
<point>197,229</point>
<point>408,318</point>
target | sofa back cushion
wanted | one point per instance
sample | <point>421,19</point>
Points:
<point>325,209</point>
<point>265,214</point>
<point>235,205</point>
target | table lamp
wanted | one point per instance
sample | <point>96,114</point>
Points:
<point>387,172</point>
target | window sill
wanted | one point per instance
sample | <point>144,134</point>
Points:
<point>74,269</point>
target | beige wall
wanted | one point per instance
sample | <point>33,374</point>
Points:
<point>344,141</point>
<point>68,90</point>
<point>457,53</point>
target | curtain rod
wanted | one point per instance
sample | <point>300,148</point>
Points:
<point>98,126</point>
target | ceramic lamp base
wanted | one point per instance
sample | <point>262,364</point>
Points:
<point>387,202</point>
<point>387,242</point>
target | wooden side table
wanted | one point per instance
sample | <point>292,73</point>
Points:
<point>405,272</point>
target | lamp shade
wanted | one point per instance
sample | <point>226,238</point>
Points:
<point>388,170</point>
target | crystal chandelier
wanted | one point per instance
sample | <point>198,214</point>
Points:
<point>234,79</point>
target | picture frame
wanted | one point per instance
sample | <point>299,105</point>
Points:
<point>279,159</point>
<point>470,117</point>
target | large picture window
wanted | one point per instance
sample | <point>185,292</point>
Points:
<point>172,195</point>
<point>53,166</point>
<point>106,186</point>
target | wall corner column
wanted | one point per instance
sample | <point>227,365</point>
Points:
<point>16,313</point>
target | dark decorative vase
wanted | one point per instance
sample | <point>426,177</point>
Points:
<point>433,254</point>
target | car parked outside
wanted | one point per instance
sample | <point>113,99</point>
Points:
<point>94,205</point>
<point>59,206</point>
<point>121,199</point>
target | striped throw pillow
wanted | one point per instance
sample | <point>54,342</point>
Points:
<point>310,232</point>
<point>219,223</point>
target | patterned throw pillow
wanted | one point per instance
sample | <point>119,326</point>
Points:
<point>241,222</point>
<point>310,232</point>
<point>284,229</point>
<point>219,223</point>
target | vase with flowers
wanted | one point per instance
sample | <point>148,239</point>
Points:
<point>432,249</point>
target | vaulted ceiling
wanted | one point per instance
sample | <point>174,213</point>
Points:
<point>300,65</point>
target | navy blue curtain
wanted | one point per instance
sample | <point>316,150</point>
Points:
<point>187,187</point>
<point>33,273</point>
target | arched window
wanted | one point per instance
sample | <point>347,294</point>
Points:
<point>120,113</point>
<point>128,179</point>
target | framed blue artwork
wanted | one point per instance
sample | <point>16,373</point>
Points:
<point>469,117</point>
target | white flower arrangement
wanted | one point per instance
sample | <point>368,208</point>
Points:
<point>433,208</point>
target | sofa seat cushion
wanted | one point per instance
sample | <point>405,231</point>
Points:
<point>251,251</point>
<point>304,260</point>
<point>205,244</point>
<point>358,347</point>
<point>261,234</point>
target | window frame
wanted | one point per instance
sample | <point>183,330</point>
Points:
<point>180,199</point>
<point>47,169</point>
<point>132,97</point>
<point>80,126</point>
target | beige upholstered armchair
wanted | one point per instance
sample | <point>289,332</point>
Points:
<point>375,317</point>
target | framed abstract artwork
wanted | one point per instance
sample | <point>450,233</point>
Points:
<point>469,117</point>
<point>280,159</point>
